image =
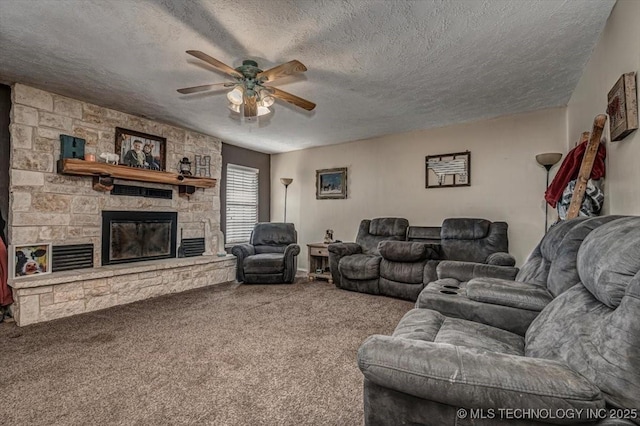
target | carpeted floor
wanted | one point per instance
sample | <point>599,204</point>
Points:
<point>226,355</point>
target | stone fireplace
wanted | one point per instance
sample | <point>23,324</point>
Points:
<point>49,207</point>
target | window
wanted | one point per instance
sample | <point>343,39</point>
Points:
<point>242,203</point>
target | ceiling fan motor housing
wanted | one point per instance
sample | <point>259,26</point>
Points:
<point>249,69</point>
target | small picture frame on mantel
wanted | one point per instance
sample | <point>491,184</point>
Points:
<point>622,107</point>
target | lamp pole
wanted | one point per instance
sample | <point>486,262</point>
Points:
<point>286,182</point>
<point>547,160</point>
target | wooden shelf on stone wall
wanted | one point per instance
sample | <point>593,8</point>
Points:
<point>107,172</point>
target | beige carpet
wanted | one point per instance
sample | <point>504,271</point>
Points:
<point>227,355</point>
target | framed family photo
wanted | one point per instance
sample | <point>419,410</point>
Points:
<point>331,183</point>
<point>29,259</point>
<point>137,149</point>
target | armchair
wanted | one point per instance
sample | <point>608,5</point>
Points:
<point>356,266</point>
<point>270,255</point>
<point>581,353</point>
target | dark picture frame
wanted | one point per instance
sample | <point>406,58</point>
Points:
<point>331,184</point>
<point>448,170</point>
<point>152,154</point>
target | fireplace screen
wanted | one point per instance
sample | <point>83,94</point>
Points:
<point>137,236</point>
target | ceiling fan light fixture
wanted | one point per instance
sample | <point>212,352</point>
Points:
<point>263,110</point>
<point>236,97</point>
<point>267,101</point>
<point>233,107</point>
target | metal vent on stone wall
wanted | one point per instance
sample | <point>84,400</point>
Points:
<point>140,191</point>
<point>192,246</point>
<point>74,256</point>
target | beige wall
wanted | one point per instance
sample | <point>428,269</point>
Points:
<point>386,177</point>
<point>617,52</point>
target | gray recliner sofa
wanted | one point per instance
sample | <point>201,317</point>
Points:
<point>486,294</point>
<point>382,261</point>
<point>581,354</point>
<point>270,255</point>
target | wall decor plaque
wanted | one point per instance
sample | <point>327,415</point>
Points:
<point>448,170</point>
<point>622,107</point>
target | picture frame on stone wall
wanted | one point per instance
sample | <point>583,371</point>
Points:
<point>141,150</point>
<point>27,260</point>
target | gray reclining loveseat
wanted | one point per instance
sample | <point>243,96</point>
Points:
<point>485,294</point>
<point>578,362</point>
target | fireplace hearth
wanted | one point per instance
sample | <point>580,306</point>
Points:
<point>129,236</point>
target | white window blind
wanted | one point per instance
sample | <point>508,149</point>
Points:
<point>242,203</point>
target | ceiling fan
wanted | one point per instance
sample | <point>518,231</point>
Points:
<point>250,96</point>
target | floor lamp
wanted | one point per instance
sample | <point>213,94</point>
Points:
<point>286,182</point>
<point>547,160</point>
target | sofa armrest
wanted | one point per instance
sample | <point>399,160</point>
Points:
<point>465,271</point>
<point>515,294</point>
<point>344,249</point>
<point>290,253</point>
<point>242,251</point>
<point>467,377</point>
<point>336,252</point>
<point>501,259</point>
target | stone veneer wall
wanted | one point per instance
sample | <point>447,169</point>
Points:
<point>49,207</point>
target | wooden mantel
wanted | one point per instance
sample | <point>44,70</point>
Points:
<point>74,166</point>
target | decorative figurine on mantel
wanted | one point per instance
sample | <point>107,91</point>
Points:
<point>221,251</point>
<point>328,236</point>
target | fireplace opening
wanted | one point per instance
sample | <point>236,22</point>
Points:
<point>137,236</point>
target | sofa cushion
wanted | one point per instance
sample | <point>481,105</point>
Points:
<point>265,263</point>
<point>465,229</point>
<point>360,266</point>
<point>389,226</point>
<point>403,251</point>
<point>273,234</point>
<point>432,326</point>
<point>609,259</point>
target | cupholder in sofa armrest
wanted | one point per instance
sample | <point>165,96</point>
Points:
<point>452,287</point>
<point>448,292</point>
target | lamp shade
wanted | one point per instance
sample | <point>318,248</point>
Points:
<point>286,181</point>
<point>236,96</point>
<point>548,159</point>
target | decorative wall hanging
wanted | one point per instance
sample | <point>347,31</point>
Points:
<point>141,150</point>
<point>448,170</point>
<point>203,165</point>
<point>622,107</point>
<point>331,183</point>
<point>29,259</point>
<point>71,147</point>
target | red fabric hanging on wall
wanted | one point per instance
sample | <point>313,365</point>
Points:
<point>5,292</point>
<point>570,168</point>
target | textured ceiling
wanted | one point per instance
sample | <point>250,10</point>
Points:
<point>375,67</point>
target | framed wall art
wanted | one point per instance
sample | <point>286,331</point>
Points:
<point>29,259</point>
<point>141,150</point>
<point>448,170</point>
<point>331,184</point>
<point>622,107</point>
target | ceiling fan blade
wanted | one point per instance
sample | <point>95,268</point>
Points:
<point>203,88</point>
<point>216,63</point>
<point>292,99</point>
<point>283,70</point>
<point>250,105</point>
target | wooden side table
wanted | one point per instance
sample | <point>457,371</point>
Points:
<point>319,262</point>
